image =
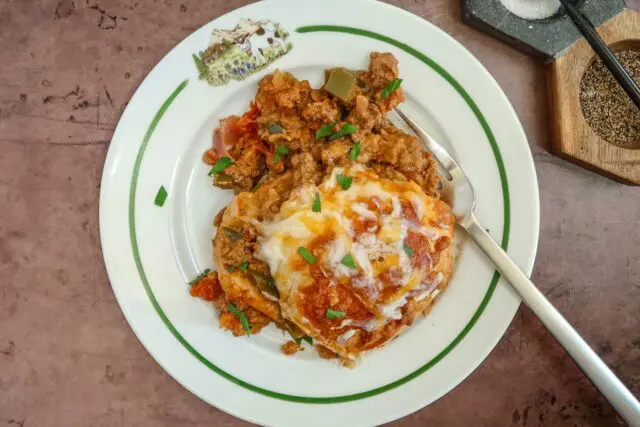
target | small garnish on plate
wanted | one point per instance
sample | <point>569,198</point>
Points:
<point>344,181</point>
<point>335,314</point>
<point>325,130</point>
<point>407,249</point>
<point>317,204</point>
<point>306,255</point>
<point>222,163</point>
<point>242,317</point>
<point>200,277</point>
<point>348,261</point>
<point>346,129</point>
<point>355,151</point>
<point>244,266</point>
<point>282,150</point>
<point>161,197</point>
<point>387,91</point>
<point>298,340</point>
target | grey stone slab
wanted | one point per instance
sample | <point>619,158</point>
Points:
<point>545,38</point>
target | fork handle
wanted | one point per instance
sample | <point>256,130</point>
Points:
<point>602,377</point>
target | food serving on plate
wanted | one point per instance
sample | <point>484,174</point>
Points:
<point>336,233</point>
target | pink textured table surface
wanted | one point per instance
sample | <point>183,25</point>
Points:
<point>67,356</point>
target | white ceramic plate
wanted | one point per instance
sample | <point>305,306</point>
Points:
<point>151,252</point>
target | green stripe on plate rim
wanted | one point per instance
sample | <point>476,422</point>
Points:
<point>390,386</point>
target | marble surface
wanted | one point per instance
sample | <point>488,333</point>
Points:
<point>67,356</point>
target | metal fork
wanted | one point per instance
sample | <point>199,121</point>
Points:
<point>462,205</point>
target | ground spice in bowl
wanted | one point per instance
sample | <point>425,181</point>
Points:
<point>606,107</point>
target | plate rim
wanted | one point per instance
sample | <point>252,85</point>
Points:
<point>506,202</point>
<point>535,197</point>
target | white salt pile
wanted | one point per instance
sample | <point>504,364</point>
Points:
<point>532,9</point>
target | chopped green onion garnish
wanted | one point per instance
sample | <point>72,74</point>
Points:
<point>200,277</point>
<point>241,316</point>
<point>395,84</point>
<point>308,256</point>
<point>299,339</point>
<point>280,151</point>
<point>348,261</point>
<point>161,197</point>
<point>335,314</point>
<point>274,128</point>
<point>232,234</point>
<point>344,181</point>
<point>346,129</point>
<point>355,152</point>
<point>230,269</point>
<point>325,130</point>
<point>244,266</point>
<point>407,249</point>
<point>222,163</point>
<point>317,204</point>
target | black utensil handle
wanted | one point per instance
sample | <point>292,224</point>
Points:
<point>603,51</point>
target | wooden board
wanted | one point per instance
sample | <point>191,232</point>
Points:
<point>572,137</point>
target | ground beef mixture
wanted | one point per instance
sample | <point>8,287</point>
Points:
<point>278,133</point>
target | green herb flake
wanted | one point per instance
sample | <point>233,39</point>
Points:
<point>230,269</point>
<point>222,163</point>
<point>274,128</point>
<point>306,255</point>
<point>241,316</point>
<point>346,129</point>
<point>317,204</point>
<point>344,181</point>
<point>335,314</point>
<point>282,150</point>
<point>355,151</point>
<point>387,91</point>
<point>244,266</point>
<point>348,261</point>
<point>161,197</point>
<point>232,234</point>
<point>407,249</point>
<point>305,338</point>
<point>297,340</point>
<point>325,130</point>
<point>200,277</point>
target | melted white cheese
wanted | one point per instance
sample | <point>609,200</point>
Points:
<point>342,339</point>
<point>373,252</point>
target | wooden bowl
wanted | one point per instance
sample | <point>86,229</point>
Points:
<point>572,137</point>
